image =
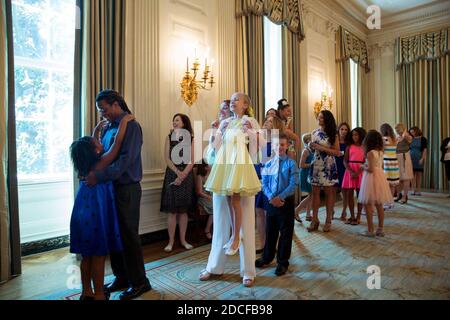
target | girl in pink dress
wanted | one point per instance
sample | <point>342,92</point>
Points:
<point>375,190</point>
<point>353,162</point>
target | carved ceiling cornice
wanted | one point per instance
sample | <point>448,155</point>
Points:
<point>325,17</point>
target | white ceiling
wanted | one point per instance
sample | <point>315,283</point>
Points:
<point>394,11</point>
<point>390,7</point>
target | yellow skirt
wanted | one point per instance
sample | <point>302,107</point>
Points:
<point>233,173</point>
<point>230,179</point>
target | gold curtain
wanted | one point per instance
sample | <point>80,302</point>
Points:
<point>250,61</point>
<point>348,46</point>
<point>10,252</point>
<point>4,211</point>
<point>366,113</point>
<point>426,46</point>
<point>424,84</point>
<point>343,92</point>
<point>250,49</point>
<point>292,75</point>
<point>285,12</point>
<point>103,54</point>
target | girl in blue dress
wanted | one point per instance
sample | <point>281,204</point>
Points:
<point>419,149</point>
<point>305,186</point>
<point>94,229</point>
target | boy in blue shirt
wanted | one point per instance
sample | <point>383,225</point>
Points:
<point>279,180</point>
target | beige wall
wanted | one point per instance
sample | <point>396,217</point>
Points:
<point>160,36</point>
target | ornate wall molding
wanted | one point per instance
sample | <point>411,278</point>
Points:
<point>142,88</point>
<point>377,50</point>
<point>334,14</point>
<point>318,24</point>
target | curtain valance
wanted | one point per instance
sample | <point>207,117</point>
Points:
<point>426,46</point>
<point>283,12</point>
<point>349,46</point>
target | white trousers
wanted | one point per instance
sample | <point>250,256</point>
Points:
<point>222,233</point>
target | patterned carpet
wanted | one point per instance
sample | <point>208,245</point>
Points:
<point>414,259</point>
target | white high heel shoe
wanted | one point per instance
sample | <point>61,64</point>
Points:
<point>230,251</point>
<point>227,245</point>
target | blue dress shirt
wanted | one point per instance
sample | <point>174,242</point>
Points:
<point>127,168</point>
<point>279,177</point>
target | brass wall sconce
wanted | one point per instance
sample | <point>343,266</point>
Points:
<point>326,102</point>
<point>190,86</point>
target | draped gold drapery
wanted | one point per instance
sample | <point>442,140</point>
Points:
<point>366,112</point>
<point>292,75</point>
<point>427,46</point>
<point>4,210</point>
<point>285,12</point>
<point>250,61</point>
<point>10,252</point>
<point>423,75</point>
<point>343,92</point>
<point>103,54</point>
<point>348,46</point>
<point>250,48</point>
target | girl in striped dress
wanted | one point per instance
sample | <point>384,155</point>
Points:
<point>391,167</point>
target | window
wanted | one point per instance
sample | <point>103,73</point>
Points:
<point>354,95</point>
<point>44,48</point>
<point>273,65</point>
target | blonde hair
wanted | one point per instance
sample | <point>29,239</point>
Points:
<point>306,137</point>
<point>249,111</point>
<point>401,127</point>
<point>278,124</point>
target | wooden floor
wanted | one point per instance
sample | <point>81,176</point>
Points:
<point>414,259</point>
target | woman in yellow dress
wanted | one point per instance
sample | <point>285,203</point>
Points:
<point>233,173</point>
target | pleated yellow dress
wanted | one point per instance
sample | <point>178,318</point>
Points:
<point>233,171</point>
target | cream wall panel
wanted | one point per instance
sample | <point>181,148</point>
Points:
<point>226,48</point>
<point>160,36</point>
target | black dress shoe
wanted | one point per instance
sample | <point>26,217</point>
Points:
<point>86,298</point>
<point>260,263</point>
<point>280,270</point>
<point>116,285</point>
<point>133,293</point>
